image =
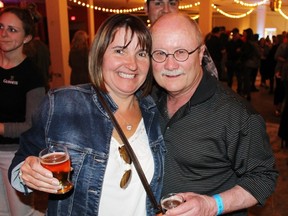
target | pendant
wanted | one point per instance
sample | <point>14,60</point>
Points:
<point>129,127</point>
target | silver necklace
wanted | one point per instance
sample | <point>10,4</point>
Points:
<point>128,125</point>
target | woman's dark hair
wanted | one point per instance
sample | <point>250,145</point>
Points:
<point>25,16</point>
<point>105,35</point>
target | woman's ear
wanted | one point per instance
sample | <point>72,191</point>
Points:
<point>27,39</point>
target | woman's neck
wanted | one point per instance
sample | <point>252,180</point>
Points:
<point>10,60</point>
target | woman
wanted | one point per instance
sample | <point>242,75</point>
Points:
<point>78,58</point>
<point>21,89</point>
<point>119,67</point>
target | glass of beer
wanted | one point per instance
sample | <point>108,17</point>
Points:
<point>56,159</point>
<point>171,200</point>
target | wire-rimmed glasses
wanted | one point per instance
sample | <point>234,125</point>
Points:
<point>180,55</point>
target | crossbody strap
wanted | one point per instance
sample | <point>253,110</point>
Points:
<point>130,152</point>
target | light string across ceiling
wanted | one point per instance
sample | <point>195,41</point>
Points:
<point>185,7</point>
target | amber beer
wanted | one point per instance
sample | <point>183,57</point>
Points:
<point>171,200</point>
<point>58,162</point>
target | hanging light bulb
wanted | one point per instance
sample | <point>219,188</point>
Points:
<point>1,4</point>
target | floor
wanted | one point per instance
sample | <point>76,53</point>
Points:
<point>277,204</point>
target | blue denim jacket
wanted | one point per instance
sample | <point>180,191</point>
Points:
<point>74,117</point>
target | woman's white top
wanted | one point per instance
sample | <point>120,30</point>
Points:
<point>130,201</point>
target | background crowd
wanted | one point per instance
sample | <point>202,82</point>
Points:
<point>241,57</point>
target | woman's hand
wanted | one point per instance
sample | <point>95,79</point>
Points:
<point>37,177</point>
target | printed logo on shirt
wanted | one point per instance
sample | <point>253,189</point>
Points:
<point>11,81</point>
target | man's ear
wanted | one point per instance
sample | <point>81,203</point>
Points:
<point>201,53</point>
<point>27,39</point>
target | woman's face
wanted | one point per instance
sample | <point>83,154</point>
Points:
<point>12,34</point>
<point>125,67</point>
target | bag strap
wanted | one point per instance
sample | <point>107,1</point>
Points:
<point>130,152</point>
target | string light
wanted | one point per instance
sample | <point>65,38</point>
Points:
<point>108,10</point>
<point>251,5</point>
<point>232,16</point>
<point>280,11</point>
<point>184,7</point>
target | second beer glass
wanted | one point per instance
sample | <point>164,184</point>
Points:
<point>56,159</point>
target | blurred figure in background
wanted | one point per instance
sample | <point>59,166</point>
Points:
<point>21,90</point>
<point>78,58</point>
<point>271,61</point>
<point>233,63</point>
<point>281,72</point>
<point>281,57</point>
<point>39,53</point>
<point>216,49</point>
<point>37,50</point>
<point>264,49</point>
<point>250,59</point>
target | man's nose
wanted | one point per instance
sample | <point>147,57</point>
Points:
<point>166,7</point>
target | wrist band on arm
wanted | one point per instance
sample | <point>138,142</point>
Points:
<point>219,203</point>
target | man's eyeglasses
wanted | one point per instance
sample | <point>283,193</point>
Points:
<point>127,175</point>
<point>180,55</point>
<point>159,3</point>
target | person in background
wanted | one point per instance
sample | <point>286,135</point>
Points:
<point>78,58</point>
<point>120,70</point>
<point>37,50</point>
<point>218,153</point>
<point>39,53</point>
<point>264,49</point>
<point>21,90</point>
<point>233,63</point>
<point>156,8</point>
<point>281,71</point>
<point>281,56</point>
<point>217,50</point>
<point>271,61</point>
<point>250,59</point>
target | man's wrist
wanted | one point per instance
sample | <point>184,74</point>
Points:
<point>219,203</point>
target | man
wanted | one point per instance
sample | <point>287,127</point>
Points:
<point>216,48</point>
<point>233,64</point>
<point>157,8</point>
<point>218,153</point>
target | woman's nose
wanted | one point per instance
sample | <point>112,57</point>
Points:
<point>131,63</point>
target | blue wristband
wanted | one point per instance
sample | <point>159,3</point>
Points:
<point>219,203</point>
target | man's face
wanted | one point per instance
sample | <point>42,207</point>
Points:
<point>157,8</point>
<point>177,77</point>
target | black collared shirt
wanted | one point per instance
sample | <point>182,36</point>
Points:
<point>214,142</point>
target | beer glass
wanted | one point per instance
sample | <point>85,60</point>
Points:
<point>171,200</point>
<point>56,159</point>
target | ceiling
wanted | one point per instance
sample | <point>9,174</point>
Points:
<point>228,6</point>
